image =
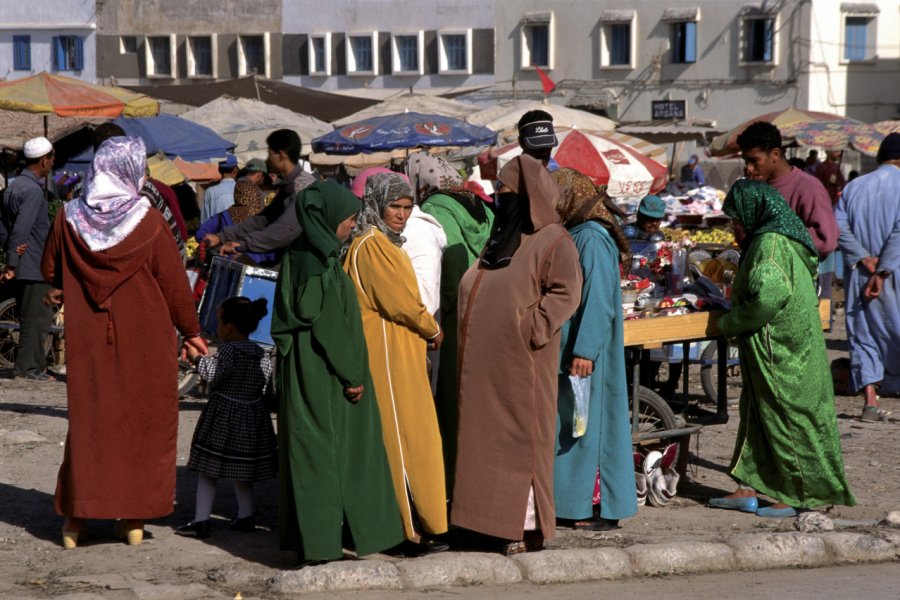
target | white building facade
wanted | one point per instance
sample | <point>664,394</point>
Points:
<point>57,36</point>
<point>727,61</point>
<point>388,44</point>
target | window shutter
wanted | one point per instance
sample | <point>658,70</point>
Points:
<point>59,57</point>
<point>690,42</point>
<point>79,53</point>
<point>22,52</point>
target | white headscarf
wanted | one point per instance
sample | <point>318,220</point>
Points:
<point>111,206</point>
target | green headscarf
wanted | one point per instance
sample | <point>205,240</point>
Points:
<point>311,269</point>
<point>761,209</point>
<point>321,207</point>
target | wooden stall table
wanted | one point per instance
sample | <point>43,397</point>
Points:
<point>648,334</point>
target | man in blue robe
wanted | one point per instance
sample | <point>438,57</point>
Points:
<point>868,215</point>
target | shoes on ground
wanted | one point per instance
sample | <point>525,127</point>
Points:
<point>245,524</point>
<point>749,504</point>
<point>874,413</point>
<point>776,513</point>
<point>408,549</point>
<point>35,375</point>
<point>196,529</point>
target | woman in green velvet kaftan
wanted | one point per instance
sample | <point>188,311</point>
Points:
<point>333,466</point>
<point>788,446</point>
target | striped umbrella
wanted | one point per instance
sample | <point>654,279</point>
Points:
<point>831,135</point>
<point>868,138</point>
<point>606,158</point>
<point>67,97</point>
<point>727,142</point>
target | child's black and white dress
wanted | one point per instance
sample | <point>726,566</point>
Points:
<point>234,438</point>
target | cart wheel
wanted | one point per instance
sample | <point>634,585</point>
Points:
<point>655,415</point>
<point>9,335</point>
<point>654,412</point>
<point>709,374</point>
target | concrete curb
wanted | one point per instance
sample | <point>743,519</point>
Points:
<point>452,569</point>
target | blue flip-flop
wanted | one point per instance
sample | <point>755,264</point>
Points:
<point>749,504</point>
<point>776,513</point>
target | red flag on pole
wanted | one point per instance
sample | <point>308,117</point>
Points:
<point>546,82</point>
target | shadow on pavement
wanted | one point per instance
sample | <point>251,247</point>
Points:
<point>31,510</point>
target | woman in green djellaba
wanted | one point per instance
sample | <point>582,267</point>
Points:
<point>334,473</point>
<point>788,446</point>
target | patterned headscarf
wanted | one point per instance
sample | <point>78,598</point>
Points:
<point>761,209</point>
<point>431,174</point>
<point>111,206</point>
<point>248,201</point>
<point>381,190</point>
<point>581,201</point>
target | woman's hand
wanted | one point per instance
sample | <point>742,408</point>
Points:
<point>581,367</point>
<point>212,239</point>
<point>192,347</point>
<point>354,394</point>
<point>435,342</point>
<point>53,297</point>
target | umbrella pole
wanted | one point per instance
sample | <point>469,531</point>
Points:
<point>672,160</point>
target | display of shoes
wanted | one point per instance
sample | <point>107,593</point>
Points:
<point>640,484</point>
<point>776,513</point>
<point>748,504</point>
<point>245,524</point>
<point>196,529</point>
<point>662,478</point>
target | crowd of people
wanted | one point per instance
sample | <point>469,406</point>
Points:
<point>430,341</point>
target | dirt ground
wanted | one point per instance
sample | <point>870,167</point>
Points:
<point>33,563</point>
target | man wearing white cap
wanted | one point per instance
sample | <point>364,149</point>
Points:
<point>220,196</point>
<point>25,211</point>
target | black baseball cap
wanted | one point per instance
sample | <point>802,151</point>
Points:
<point>537,134</point>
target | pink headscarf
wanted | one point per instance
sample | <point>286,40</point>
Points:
<point>359,184</point>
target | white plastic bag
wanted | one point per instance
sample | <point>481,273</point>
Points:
<point>581,387</point>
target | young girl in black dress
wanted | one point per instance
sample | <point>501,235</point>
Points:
<point>234,438</point>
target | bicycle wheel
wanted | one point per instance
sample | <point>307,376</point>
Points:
<point>654,414</point>
<point>9,334</point>
<point>709,374</point>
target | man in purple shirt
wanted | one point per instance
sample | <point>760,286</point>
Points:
<point>764,159</point>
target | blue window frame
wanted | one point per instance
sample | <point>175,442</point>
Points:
<point>254,48</point>
<point>201,49</point>
<point>22,52</point>
<point>455,51</point>
<point>855,36</point>
<point>620,44</point>
<point>760,40</point>
<point>684,42</point>
<point>362,52</point>
<point>160,53</point>
<point>408,52</point>
<point>319,55</point>
<point>68,53</point>
<point>539,45</point>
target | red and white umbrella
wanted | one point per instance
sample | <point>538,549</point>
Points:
<point>605,158</point>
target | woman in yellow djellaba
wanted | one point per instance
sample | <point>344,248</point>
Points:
<point>399,330</point>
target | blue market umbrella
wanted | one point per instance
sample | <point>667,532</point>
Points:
<point>403,130</point>
<point>171,135</point>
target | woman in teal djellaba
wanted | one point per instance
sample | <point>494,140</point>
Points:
<point>788,446</point>
<point>333,466</point>
<point>591,346</point>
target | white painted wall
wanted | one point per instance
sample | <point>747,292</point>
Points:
<point>868,90</point>
<point>398,16</point>
<point>42,20</point>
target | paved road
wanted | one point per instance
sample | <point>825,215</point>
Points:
<point>868,582</point>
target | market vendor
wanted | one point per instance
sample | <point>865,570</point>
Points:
<point>650,214</point>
